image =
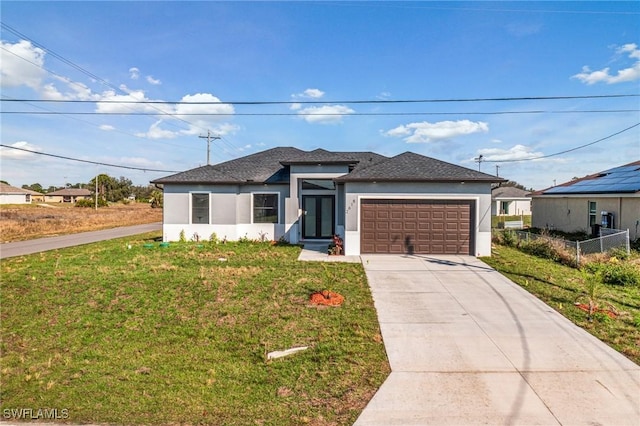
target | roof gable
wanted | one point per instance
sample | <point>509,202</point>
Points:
<point>412,167</point>
<point>272,166</point>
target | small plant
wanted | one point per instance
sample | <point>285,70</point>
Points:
<point>213,238</point>
<point>509,238</point>
<point>182,237</point>
<point>263,236</point>
<point>195,237</point>
<point>592,294</point>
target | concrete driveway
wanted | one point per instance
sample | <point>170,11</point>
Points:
<point>468,346</point>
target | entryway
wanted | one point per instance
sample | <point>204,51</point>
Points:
<point>318,221</point>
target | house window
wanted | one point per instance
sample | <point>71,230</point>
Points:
<point>592,213</point>
<point>199,208</point>
<point>323,184</point>
<point>265,208</point>
<point>504,207</point>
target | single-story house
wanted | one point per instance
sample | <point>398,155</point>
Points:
<point>404,204</point>
<point>67,195</point>
<point>13,195</point>
<point>510,201</point>
<point>609,199</point>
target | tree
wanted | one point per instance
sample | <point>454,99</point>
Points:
<point>111,189</point>
<point>34,187</point>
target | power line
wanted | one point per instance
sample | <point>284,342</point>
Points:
<point>565,151</point>
<point>88,161</point>
<point>86,72</point>
<point>307,114</point>
<point>356,101</point>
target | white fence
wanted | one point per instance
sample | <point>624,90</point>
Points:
<point>609,239</point>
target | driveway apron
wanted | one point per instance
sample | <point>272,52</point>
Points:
<point>468,346</point>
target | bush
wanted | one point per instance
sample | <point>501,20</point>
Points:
<point>624,274</point>
<point>540,248</point>
<point>91,203</point>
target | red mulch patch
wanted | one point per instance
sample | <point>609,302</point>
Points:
<point>607,312</point>
<point>326,297</point>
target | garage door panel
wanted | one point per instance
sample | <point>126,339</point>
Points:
<point>417,226</point>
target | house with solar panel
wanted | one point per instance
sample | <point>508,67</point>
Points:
<point>608,199</point>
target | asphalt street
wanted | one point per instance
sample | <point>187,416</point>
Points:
<point>21,248</point>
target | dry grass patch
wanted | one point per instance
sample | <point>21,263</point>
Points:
<point>25,222</point>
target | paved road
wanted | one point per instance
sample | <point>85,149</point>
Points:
<point>21,248</point>
<point>467,346</point>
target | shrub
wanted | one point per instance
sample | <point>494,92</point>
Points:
<point>91,203</point>
<point>614,273</point>
<point>540,248</point>
<point>635,244</point>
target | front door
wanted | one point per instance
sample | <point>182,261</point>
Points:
<point>319,216</point>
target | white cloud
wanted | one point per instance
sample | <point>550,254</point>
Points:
<point>107,127</point>
<point>155,132</point>
<point>517,152</point>
<point>8,153</point>
<point>134,73</point>
<point>310,93</point>
<point>384,96</point>
<point>624,75</point>
<point>325,114</point>
<point>424,132</point>
<point>295,106</point>
<point>153,81</point>
<point>129,103</point>
<point>21,65</point>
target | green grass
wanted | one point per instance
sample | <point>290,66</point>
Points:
<point>561,286</point>
<point>162,335</point>
<point>496,220</point>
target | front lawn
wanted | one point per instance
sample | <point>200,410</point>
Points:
<point>180,335</point>
<point>562,286</point>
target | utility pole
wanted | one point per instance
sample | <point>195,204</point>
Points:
<point>479,160</point>
<point>208,138</point>
<point>497,168</point>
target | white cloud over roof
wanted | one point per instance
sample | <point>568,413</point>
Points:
<point>424,132</point>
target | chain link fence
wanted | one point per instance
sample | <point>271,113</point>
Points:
<point>609,239</point>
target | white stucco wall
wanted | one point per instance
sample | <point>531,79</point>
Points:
<point>13,199</point>
<point>480,193</point>
<point>230,212</point>
<point>571,213</point>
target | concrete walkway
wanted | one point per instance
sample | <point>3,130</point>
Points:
<point>468,346</point>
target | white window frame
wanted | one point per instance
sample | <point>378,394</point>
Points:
<point>191,194</point>
<point>253,194</point>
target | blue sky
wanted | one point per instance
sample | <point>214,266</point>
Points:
<point>314,58</point>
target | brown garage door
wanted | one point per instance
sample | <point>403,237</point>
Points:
<point>416,226</point>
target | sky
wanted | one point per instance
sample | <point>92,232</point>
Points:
<point>541,92</point>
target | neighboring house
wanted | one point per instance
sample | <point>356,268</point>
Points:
<point>404,204</point>
<point>12,195</point>
<point>610,199</point>
<point>510,201</point>
<point>67,195</point>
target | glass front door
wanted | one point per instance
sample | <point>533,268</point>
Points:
<point>319,216</point>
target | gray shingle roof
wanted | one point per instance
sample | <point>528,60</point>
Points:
<point>509,192</point>
<point>411,167</point>
<point>271,166</point>
<point>75,192</point>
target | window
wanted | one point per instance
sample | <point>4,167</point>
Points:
<point>592,213</point>
<point>324,184</point>
<point>504,207</point>
<point>199,208</point>
<point>265,208</point>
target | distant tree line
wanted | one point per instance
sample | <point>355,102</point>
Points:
<point>109,188</point>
